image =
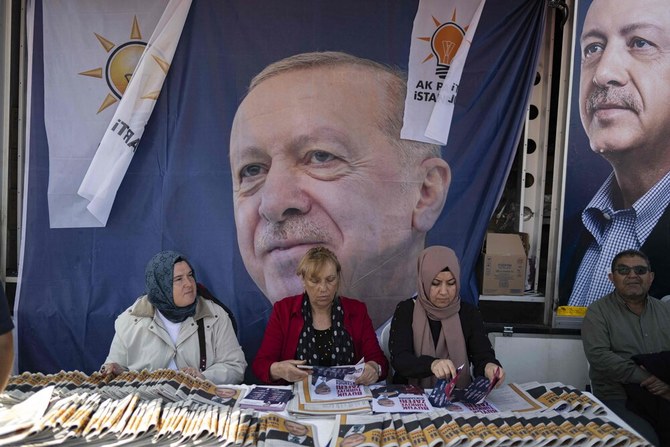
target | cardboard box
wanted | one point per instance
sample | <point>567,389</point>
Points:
<point>504,265</point>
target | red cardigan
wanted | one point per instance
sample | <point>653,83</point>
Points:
<point>283,331</point>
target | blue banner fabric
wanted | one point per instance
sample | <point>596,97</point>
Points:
<point>178,191</point>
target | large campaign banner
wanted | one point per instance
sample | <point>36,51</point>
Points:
<point>617,183</point>
<point>244,181</point>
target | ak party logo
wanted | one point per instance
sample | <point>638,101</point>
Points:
<point>120,65</point>
<point>444,44</point>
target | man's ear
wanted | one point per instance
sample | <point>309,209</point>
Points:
<point>433,193</point>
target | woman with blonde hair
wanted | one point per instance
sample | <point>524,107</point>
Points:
<point>318,328</point>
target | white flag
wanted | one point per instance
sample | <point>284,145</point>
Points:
<point>89,47</point>
<point>439,124</point>
<point>123,134</point>
<point>439,33</point>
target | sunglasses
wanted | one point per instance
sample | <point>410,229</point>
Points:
<point>624,270</point>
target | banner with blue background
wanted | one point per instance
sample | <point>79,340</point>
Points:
<point>179,191</point>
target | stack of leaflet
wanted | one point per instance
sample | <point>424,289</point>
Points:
<point>443,428</point>
<point>165,384</point>
<point>90,419</point>
<point>559,397</point>
<point>422,429</point>
<point>265,398</point>
<point>318,396</point>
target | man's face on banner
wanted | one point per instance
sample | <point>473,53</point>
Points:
<point>310,167</point>
<point>625,75</point>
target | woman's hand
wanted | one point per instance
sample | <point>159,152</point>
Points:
<point>490,372</point>
<point>191,371</point>
<point>369,375</point>
<point>443,368</point>
<point>113,369</point>
<point>288,370</point>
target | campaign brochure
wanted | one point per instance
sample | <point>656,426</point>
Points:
<point>398,398</point>
<point>333,390</point>
<point>360,431</point>
<point>88,418</point>
<point>347,373</point>
<point>283,431</point>
<point>265,398</point>
<point>225,395</point>
<point>327,397</point>
<point>445,392</point>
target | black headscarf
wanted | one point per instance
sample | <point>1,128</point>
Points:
<point>158,278</point>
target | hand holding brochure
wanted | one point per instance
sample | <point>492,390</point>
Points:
<point>446,392</point>
<point>333,390</point>
<point>441,394</point>
<point>475,393</point>
<point>347,373</point>
<point>449,388</point>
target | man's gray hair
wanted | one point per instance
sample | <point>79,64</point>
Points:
<point>392,79</point>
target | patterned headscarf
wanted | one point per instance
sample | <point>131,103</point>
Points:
<point>451,343</point>
<point>343,350</point>
<point>158,278</point>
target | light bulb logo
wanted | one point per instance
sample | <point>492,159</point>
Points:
<point>444,43</point>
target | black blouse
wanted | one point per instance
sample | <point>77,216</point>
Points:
<point>324,346</point>
<point>401,342</point>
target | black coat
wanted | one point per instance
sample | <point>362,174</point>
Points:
<point>401,343</point>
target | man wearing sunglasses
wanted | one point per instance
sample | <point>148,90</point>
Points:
<point>622,324</point>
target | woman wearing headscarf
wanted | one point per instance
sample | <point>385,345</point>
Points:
<point>169,325</point>
<point>318,328</point>
<point>435,332</point>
